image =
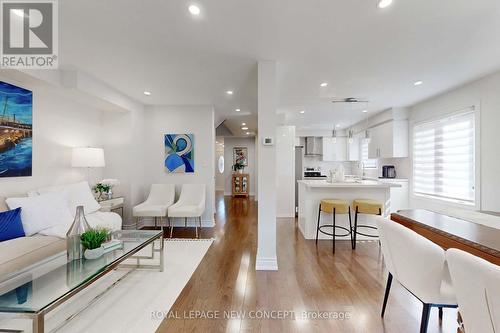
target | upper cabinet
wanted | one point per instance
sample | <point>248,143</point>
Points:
<point>334,150</point>
<point>389,139</point>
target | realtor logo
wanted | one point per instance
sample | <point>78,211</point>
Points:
<point>29,34</point>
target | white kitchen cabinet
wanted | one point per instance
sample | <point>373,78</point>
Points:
<point>399,195</point>
<point>389,140</point>
<point>334,150</point>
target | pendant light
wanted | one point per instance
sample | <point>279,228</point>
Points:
<point>350,136</point>
<point>334,136</point>
<point>367,131</point>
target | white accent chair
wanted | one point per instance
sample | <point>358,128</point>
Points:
<point>418,265</point>
<point>477,285</point>
<point>160,198</point>
<point>191,204</point>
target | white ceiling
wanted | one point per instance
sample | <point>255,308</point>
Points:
<point>235,123</point>
<point>358,49</point>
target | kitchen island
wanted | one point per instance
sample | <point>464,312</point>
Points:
<point>312,191</point>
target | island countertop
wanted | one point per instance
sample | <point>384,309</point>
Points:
<point>350,183</point>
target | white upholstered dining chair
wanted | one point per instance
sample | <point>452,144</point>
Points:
<point>161,196</point>
<point>418,265</point>
<point>477,285</point>
<point>191,204</point>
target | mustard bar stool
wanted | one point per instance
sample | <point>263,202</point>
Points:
<point>365,206</point>
<point>334,207</point>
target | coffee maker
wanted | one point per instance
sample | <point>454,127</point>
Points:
<point>388,171</point>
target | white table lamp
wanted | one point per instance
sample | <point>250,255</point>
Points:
<point>88,157</point>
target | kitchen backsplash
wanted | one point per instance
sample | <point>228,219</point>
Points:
<point>315,162</point>
<point>402,165</point>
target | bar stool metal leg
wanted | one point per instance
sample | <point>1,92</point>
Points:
<point>333,230</point>
<point>355,228</point>
<point>317,228</point>
<point>350,224</point>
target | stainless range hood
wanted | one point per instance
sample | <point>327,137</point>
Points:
<point>314,146</point>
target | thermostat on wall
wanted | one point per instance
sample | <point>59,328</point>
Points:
<point>268,141</point>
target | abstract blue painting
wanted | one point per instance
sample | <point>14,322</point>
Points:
<point>16,131</point>
<point>179,151</point>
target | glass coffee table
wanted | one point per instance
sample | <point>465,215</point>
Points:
<point>39,289</point>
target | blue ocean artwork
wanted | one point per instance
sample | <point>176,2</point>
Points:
<point>179,152</point>
<point>16,131</point>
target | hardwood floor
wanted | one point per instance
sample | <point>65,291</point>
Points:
<point>309,279</point>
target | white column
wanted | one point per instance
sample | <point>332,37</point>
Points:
<point>266,157</point>
<point>285,174</point>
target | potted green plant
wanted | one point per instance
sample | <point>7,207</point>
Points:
<point>238,167</point>
<point>92,242</point>
<point>105,187</point>
<point>100,189</point>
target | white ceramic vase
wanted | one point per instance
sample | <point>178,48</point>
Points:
<point>94,254</point>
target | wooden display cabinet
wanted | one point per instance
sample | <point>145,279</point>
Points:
<point>241,184</point>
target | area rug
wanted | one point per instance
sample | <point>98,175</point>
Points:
<point>134,303</point>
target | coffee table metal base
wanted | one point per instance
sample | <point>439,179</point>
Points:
<point>38,318</point>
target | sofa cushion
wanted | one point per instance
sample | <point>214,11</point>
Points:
<point>42,212</point>
<point>10,225</point>
<point>19,253</point>
<point>78,194</point>
<point>108,220</point>
<point>3,205</point>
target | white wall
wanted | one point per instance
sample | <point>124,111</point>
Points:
<point>485,93</point>
<point>123,135</point>
<point>58,125</point>
<point>285,171</point>
<point>198,120</point>
<point>229,144</point>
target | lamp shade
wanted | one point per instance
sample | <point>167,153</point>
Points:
<point>87,157</point>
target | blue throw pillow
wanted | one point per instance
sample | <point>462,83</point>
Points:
<point>10,225</point>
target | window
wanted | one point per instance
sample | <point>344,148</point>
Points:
<point>367,163</point>
<point>444,158</point>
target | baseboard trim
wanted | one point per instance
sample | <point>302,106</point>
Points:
<point>266,264</point>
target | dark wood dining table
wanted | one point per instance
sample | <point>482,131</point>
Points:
<point>450,232</point>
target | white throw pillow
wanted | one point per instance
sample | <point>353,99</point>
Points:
<point>43,212</point>
<point>79,194</point>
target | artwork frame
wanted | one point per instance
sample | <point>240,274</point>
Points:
<point>16,131</point>
<point>179,153</point>
<point>240,154</point>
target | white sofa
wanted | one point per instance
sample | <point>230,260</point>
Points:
<point>19,253</point>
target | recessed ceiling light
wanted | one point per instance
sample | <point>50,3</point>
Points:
<point>229,92</point>
<point>417,83</point>
<point>194,10</point>
<point>237,110</point>
<point>384,3</point>
<point>338,125</point>
<point>365,111</point>
<point>244,128</point>
<point>302,112</point>
<point>248,133</point>
<point>243,124</point>
<point>147,93</point>
<point>324,84</point>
